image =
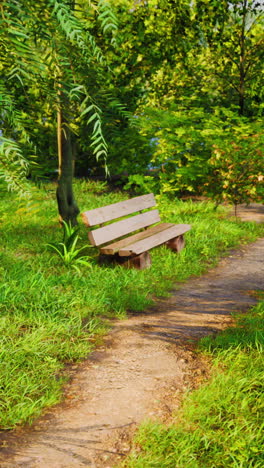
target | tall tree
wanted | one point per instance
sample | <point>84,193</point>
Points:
<point>231,34</point>
<point>206,52</point>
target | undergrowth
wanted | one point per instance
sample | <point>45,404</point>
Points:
<point>222,423</point>
<point>51,314</point>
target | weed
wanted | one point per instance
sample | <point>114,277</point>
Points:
<point>68,251</point>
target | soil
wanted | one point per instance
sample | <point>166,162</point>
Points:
<point>141,370</point>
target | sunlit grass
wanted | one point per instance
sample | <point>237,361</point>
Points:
<point>51,314</point>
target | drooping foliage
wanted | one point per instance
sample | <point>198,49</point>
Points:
<point>53,68</point>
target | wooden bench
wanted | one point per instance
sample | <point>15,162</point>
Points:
<point>119,241</point>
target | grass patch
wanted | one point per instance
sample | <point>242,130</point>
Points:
<point>51,314</point>
<point>222,423</point>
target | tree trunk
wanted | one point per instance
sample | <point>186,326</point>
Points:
<point>242,58</point>
<point>67,205</point>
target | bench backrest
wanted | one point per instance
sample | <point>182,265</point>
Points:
<point>100,216</point>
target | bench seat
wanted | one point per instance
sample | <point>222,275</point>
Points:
<point>145,240</point>
<point>133,236</point>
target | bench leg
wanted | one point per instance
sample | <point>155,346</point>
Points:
<point>141,261</point>
<point>176,244</point>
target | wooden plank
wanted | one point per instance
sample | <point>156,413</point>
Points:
<point>112,249</point>
<point>118,210</point>
<point>155,240</point>
<point>121,228</point>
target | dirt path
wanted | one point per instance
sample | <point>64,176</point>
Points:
<point>140,371</point>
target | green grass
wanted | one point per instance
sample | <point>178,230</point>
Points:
<point>222,423</point>
<point>51,314</point>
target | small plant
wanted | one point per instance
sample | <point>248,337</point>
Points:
<point>67,250</point>
<point>237,166</point>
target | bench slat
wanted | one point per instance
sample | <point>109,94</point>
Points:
<point>155,240</point>
<point>111,249</point>
<point>121,228</point>
<point>117,210</point>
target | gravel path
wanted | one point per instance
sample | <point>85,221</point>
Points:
<point>140,371</point>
